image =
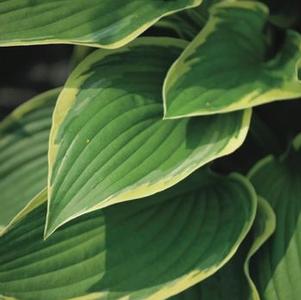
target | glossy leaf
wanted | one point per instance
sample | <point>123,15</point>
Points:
<point>233,280</point>
<point>99,23</point>
<point>276,267</point>
<point>23,153</point>
<point>109,143</point>
<point>225,68</point>
<point>148,249</point>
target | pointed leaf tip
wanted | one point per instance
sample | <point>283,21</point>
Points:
<point>131,153</point>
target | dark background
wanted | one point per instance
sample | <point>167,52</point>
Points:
<point>28,71</point>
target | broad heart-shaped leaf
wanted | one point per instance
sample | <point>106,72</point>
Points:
<point>225,67</point>
<point>109,143</point>
<point>148,249</point>
<point>99,23</point>
<point>276,266</point>
<point>233,280</point>
<point>23,153</point>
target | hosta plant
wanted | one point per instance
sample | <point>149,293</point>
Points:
<point>117,185</point>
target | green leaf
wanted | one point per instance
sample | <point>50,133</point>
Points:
<point>263,227</point>
<point>23,153</point>
<point>148,249</point>
<point>225,67</point>
<point>276,266</point>
<point>109,143</point>
<point>233,280</point>
<point>79,54</point>
<point>99,23</point>
<point>184,24</point>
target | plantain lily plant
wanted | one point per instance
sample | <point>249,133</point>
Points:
<point>117,185</point>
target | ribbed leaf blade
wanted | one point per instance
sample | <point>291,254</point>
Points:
<point>23,153</point>
<point>109,143</point>
<point>184,24</point>
<point>233,280</point>
<point>148,249</point>
<point>276,267</point>
<point>105,23</point>
<point>225,67</point>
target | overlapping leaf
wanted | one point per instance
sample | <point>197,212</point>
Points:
<point>184,24</point>
<point>148,249</point>
<point>23,153</point>
<point>99,23</point>
<point>109,143</point>
<point>276,267</point>
<point>233,280</point>
<point>188,23</point>
<point>225,68</point>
